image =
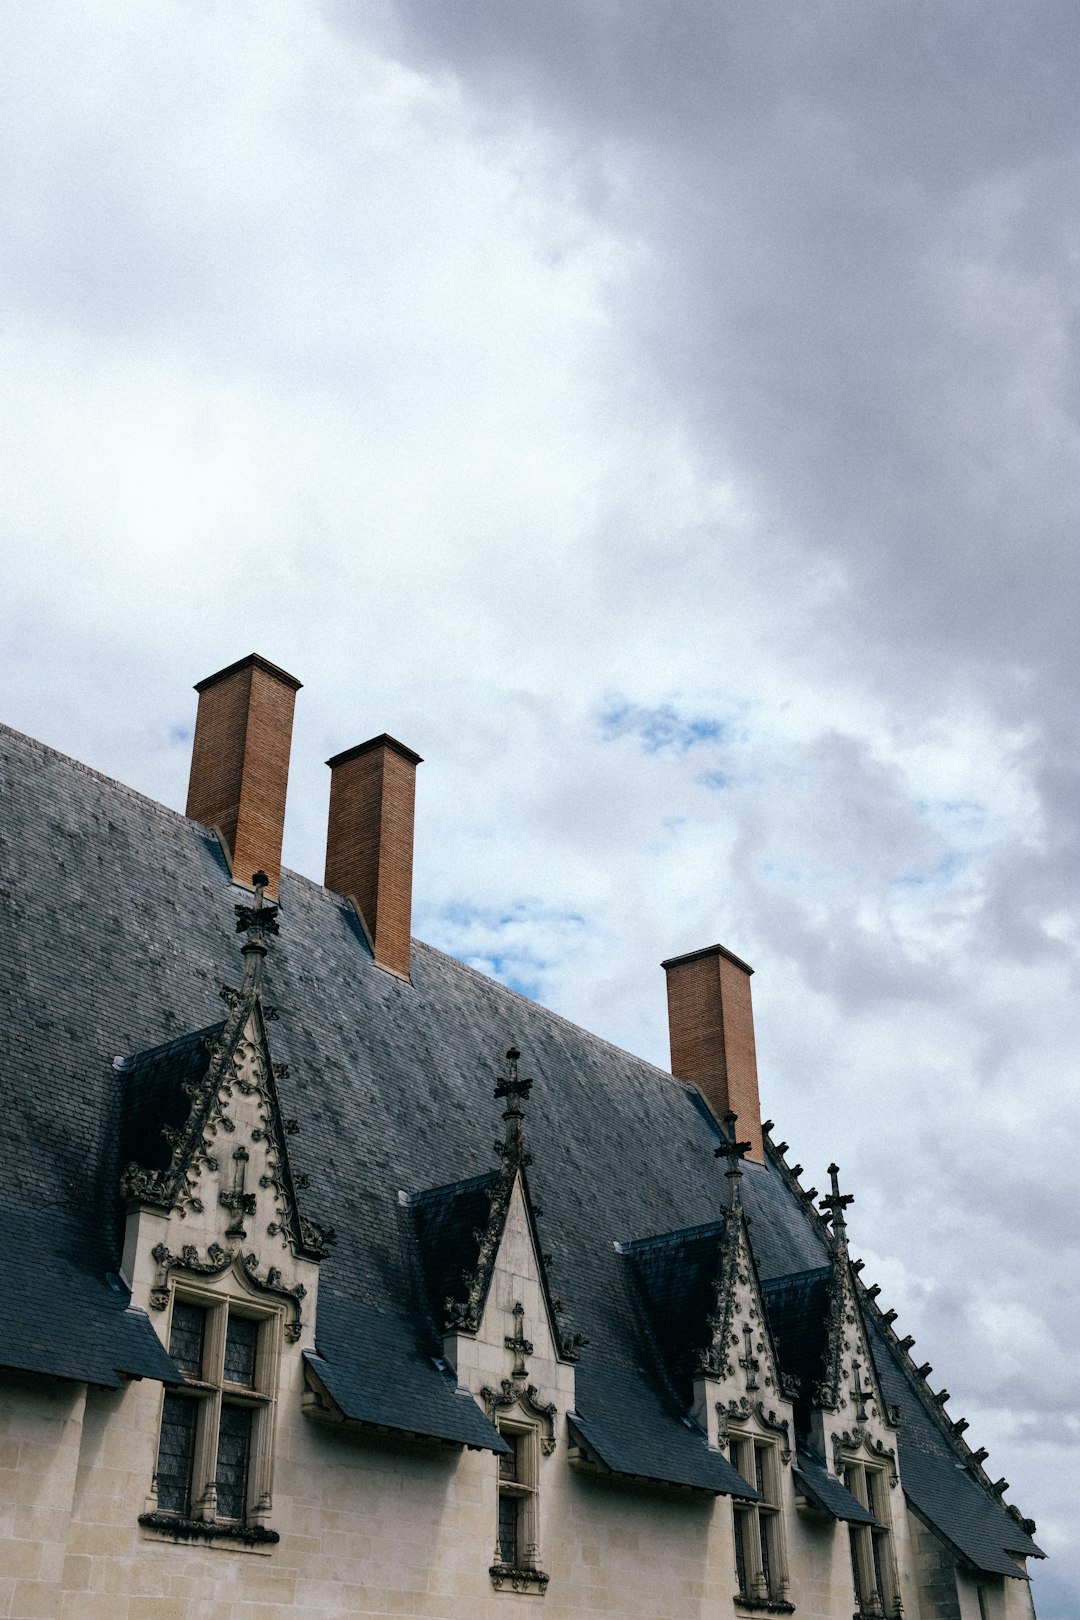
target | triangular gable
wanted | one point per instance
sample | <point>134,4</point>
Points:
<point>460,1230</point>
<point>852,1411</point>
<point>203,1116</point>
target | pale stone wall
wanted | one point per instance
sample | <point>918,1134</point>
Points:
<point>370,1527</point>
<point>40,1432</point>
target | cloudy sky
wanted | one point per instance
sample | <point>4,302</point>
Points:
<point>663,417</point>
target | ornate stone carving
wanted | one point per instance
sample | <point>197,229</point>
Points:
<point>520,1580</point>
<point>240,1067</point>
<point>463,1315</point>
<point>742,1412</point>
<point>510,1393</point>
<point>218,1260</point>
<point>860,1439</point>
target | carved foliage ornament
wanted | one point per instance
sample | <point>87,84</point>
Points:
<point>741,1412</point>
<point>464,1315</point>
<point>239,1065</point>
<point>859,1439</point>
<point>219,1260</point>
<point>510,1393</point>
<point>748,1343</point>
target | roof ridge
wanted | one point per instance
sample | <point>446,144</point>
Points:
<point>590,1035</point>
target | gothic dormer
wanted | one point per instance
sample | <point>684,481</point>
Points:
<point>208,1186</point>
<point>503,1330</point>
<point>850,1419</point>
<point>739,1381</point>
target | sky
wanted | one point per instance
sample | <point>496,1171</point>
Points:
<point>663,418</point>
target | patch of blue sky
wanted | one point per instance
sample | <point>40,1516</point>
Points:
<point>462,916</point>
<point>521,946</point>
<point>783,872</point>
<point>663,727</point>
<point>954,817</point>
<point>950,867</point>
<point>526,979</point>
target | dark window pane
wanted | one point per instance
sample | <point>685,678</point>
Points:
<point>854,1535</point>
<point>176,1453</point>
<point>186,1337</point>
<point>234,1447</point>
<point>871,1480</point>
<point>759,1468</point>
<point>508,1524</point>
<point>510,1465</point>
<point>766,1566</point>
<point>241,1343</point>
<point>879,1578</point>
<point>740,1550</point>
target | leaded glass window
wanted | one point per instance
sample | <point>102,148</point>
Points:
<point>234,1450</point>
<point>518,1481</point>
<point>873,1574</point>
<point>186,1337</point>
<point>241,1346</point>
<point>176,1453</point>
<point>758,1532</point>
<point>216,1433</point>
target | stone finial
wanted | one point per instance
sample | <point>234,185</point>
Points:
<point>834,1204</point>
<point>515,1090</point>
<point>259,923</point>
<point>733,1151</point>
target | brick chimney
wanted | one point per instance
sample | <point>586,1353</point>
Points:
<point>369,842</point>
<point>711,1023</point>
<point>240,763</point>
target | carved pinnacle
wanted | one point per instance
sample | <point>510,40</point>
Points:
<point>835,1203</point>
<point>733,1151</point>
<point>515,1090</point>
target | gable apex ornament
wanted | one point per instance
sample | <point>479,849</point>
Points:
<point>740,1337</point>
<point>464,1315</point>
<point>515,1090</point>
<point>734,1152</point>
<point>240,1067</point>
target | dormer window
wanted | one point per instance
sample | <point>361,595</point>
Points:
<point>760,1562</point>
<point>518,1528</point>
<point>872,1571</point>
<point>214,1451</point>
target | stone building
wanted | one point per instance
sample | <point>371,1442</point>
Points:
<point>340,1280</point>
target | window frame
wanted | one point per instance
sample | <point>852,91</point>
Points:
<point>212,1394</point>
<point>524,1490</point>
<point>873,1559</point>
<point>759,1543</point>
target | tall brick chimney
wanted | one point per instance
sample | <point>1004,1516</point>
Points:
<point>369,842</point>
<point>240,763</point>
<point>711,1023</point>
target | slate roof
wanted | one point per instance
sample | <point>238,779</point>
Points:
<point>675,1275</point>
<point>64,1314</point>
<point>118,932</point>
<point>401,1383</point>
<point>798,1314</point>
<point>825,1491</point>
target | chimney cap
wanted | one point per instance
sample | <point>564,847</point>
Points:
<point>383,741</point>
<point>256,661</point>
<point>708,950</point>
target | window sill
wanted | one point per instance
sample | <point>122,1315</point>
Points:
<point>237,1537</point>
<point>763,1605</point>
<point>519,1580</point>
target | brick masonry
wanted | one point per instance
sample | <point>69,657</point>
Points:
<point>240,762</point>
<point>711,1024</point>
<point>369,844</point>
